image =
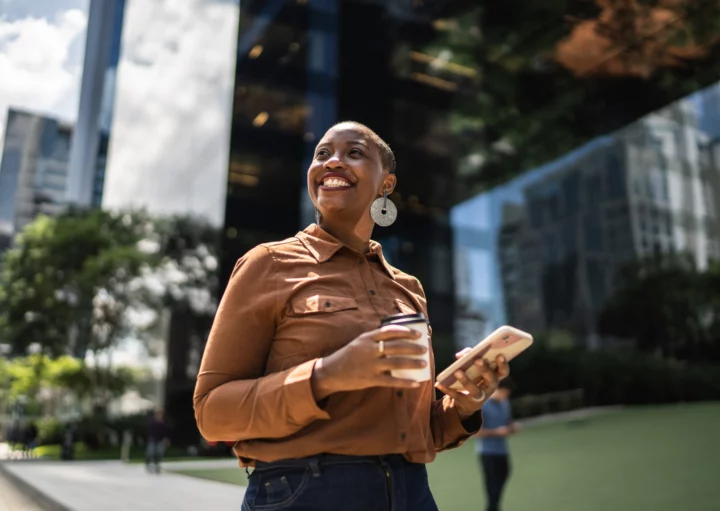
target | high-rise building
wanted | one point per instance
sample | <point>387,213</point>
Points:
<point>647,189</point>
<point>33,172</point>
<point>97,95</point>
<point>469,97</point>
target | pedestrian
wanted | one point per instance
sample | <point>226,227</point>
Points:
<point>29,442</point>
<point>158,438</point>
<point>297,371</point>
<point>492,444</point>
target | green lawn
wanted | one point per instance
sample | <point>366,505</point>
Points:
<point>137,454</point>
<point>659,458</point>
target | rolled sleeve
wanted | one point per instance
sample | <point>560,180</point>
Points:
<point>447,429</point>
<point>233,400</point>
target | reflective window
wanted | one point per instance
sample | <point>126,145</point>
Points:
<point>540,146</point>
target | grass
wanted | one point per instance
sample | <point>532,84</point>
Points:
<point>137,455</point>
<point>659,458</point>
<point>223,475</point>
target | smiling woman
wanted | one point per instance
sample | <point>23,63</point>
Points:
<point>298,372</point>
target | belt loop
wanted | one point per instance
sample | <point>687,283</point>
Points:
<point>315,466</point>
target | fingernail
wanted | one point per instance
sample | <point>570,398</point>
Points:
<point>459,374</point>
<point>502,358</point>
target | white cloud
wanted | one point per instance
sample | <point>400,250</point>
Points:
<point>41,63</point>
<point>171,126</point>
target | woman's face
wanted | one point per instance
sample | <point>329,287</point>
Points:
<point>347,174</point>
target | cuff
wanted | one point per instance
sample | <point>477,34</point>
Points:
<point>455,431</point>
<point>302,409</point>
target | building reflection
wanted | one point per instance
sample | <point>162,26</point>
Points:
<point>566,229</point>
<point>527,175</point>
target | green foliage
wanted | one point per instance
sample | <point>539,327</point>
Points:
<point>64,284</point>
<point>614,377</point>
<point>667,306</point>
<point>24,377</point>
<point>50,431</point>
<point>516,88</point>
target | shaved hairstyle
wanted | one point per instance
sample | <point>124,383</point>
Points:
<point>386,154</point>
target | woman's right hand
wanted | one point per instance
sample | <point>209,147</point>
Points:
<point>362,364</point>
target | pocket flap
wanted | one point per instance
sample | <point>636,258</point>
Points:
<point>404,308</point>
<point>322,303</point>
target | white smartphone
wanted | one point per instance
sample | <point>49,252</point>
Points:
<point>506,340</point>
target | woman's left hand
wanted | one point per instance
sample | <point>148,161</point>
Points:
<point>476,392</point>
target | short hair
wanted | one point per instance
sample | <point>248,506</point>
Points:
<point>387,156</point>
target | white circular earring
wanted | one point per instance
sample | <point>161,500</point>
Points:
<point>383,211</point>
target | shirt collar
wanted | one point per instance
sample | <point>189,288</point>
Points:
<point>323,246</point>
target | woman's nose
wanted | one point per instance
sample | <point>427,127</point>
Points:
<point>334,163</point>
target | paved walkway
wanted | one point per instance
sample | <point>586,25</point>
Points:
<point>113,485</point>
<point>12,499</point>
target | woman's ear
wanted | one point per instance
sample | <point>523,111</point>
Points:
<point>389,183</point>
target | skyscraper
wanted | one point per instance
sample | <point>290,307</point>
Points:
<point>92,132</point>
<point>33,171</point>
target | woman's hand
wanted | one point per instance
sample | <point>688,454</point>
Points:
<point>476,392</point>
<point>367,362</point>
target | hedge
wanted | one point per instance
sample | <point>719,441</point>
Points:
<point>614,377</point>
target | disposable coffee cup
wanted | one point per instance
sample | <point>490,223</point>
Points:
<point>419,323</point>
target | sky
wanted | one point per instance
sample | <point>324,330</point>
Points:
<point>171,127</point>
<point>171,124</point>
<point>41,51</point>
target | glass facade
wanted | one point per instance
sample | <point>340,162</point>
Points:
<point>539,147</point>
<point>33,172</point>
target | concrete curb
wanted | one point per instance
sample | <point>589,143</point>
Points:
<point>42,500</point>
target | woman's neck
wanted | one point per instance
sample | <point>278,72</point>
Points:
<point>356,237</point>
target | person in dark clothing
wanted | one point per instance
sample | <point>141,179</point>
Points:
<point>492,446</point>
<point>30,436</point>
<point>158,434</point>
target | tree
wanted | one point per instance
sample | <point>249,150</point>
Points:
<point>534,80</point>
<point>60,284</point>
<point>45,385</point>
<point>667,306</point>
<point>69,284</point>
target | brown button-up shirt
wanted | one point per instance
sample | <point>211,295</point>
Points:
<point>287,305</point>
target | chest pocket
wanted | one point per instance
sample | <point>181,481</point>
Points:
<point>319,304</point>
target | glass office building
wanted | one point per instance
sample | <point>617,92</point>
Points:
<point>539,146</point>
<point>33,170</point>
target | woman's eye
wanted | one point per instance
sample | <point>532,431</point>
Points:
<point>322,152</point>
<point>357,152</point>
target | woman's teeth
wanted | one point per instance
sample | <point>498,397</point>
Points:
<point>334,182</point>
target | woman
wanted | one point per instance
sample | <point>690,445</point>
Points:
<point>296,370</point>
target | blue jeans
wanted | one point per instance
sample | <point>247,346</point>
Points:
<point>154,452</point>
<point>331,482</point>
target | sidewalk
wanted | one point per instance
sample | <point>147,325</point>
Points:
<point>113,485</point>
<point>12,499</point>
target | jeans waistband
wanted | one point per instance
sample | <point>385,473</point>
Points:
<point>329,459</point>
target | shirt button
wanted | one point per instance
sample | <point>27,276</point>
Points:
<point>403,436</point>
<point>372,292</point>
<point>327,304</point>
<point>399,393</point>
